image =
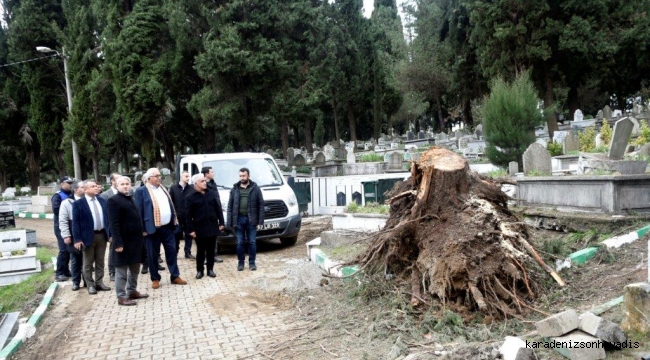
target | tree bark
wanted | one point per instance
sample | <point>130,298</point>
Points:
<point>549,100</point>
<point>308,136</point>
<point>336,116</point>
<point>284,135</point>
<point>33,162</point>
<point>352,122</point>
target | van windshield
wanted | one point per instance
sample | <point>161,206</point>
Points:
<point>262,171</point>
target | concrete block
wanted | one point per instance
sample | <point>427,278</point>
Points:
<point>577,345</point>
<point>45,200</point>
<point>38,209</point>
<point>558,324</point>
<point>525,354</point>
<point>636,303</point>
<point>601,328</point>
<point>513,348</point>
<point>335,238</point>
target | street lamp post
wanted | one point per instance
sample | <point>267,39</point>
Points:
<point>68,91</point>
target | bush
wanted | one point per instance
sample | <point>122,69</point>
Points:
<point>510,114</point>
<point>644,134</point>
<point>555,149</point>
<point>606,133</point>
<point>371,157</point>
<point>587,139</point>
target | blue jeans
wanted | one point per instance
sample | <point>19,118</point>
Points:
<point>63,258</point>
<point>243,230</point>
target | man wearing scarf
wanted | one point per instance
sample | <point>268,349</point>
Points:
<point>159,221</point>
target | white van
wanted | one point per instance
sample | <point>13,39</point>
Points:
<point>281,216</point>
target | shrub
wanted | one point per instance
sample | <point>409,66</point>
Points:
<point>554,148</point>
<point>587,139</point>
<point>606,133</point>
<point>371,157</point>
<point>644,134</point>
<point>510,114</point>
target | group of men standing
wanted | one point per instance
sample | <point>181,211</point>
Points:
<point>137,223</point>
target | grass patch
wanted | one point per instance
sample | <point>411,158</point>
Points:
<point>370,208</point>
<point>497,173</point>
<point>13,297</point>
<point>371,157</point>
<point>344,252</point>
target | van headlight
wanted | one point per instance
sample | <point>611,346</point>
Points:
<point>292,200</point>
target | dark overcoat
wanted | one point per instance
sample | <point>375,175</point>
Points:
<point>126,229</point>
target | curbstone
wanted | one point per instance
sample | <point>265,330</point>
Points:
<point>27,330</point>
<point>31,215</point>
<point>558,324</point>
<point>601,328</point>
<point>334,268</point>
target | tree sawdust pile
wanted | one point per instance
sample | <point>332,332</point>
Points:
<point>450,235</point>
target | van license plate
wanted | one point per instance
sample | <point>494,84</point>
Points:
<point>268,226</point>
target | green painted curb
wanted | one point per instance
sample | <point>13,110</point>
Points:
<point>11,348</point>
<point>320,259</point>
<point>47,299</point>
<point>606,306</point>
<point>349,270</point>
<point>644,230</point>
<point>581,256</point>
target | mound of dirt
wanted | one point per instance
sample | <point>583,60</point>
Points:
<point>451,236</point>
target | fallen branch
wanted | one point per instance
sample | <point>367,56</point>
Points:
<point>329,352</point>
<point>401,195</point>
<point>541,262</point>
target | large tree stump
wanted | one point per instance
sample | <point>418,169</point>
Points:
<point>450,236</point>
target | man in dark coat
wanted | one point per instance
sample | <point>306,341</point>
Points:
<point>204,221</point>
<point>128,238</point>
<point>178,192</point>
<point>62,272</point>
<point>208,173</point>
<point>245,213</point>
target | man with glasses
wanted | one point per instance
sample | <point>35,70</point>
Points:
<point>159,221</point>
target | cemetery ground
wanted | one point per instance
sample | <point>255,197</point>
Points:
<point>289,311</point>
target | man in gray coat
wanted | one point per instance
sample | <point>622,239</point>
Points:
<point>65,224</point>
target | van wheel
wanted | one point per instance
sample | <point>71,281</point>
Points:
<point>288,241</point>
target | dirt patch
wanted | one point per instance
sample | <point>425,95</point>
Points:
<point>242,303</point>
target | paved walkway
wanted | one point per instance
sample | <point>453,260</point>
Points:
<point>222,318</point>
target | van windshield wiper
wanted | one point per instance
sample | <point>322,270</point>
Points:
<point>222,186</point>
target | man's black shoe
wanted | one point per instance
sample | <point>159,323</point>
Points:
<point>160,267</point>
<point>75,287</point>
<point>240,267</point>
<point>189,256</point>
<point>199,274</point>
<point>102,287</point>
<point>253,267</point>
<point>61,278</point>
<point>211,273</point>
<point>218,259</point>
<point>92,290</point>
<point>145,270</point>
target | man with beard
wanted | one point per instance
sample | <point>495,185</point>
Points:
<point>245,213</point>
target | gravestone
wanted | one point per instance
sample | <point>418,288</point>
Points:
<point>558,136</point>
<point>351,159</point>
<point>381,141</point>
<point>636,128</point>
<point>458,134</point>
<point>537,159</point>
<point>45,190</point>
<point>299,160</point>
<point>462,142</point>
<point>9,192</point>
<point>570,143</point>
<point>607,113</point>
<point>617,113</point>
<point>290,157</point>
<point>328,151</point>
<point>444,137</point>
<point>394,145</point>
<point>620,137</point>
<point>319,159</point>
<point>513,168</point>
<point>599,140</point>
<point>336,145</point>
<point>542,142</point>
<point>407,156</point>
<point>395,161</point>
<point>577,115</point>
<point>644,151</point>
<point>637,109</point>
<point>271,152</point>
<point>600,115</point>
<point>421,135</point>
<point>7,219</point>
<point>479,130</point>
<point>343,154</point>
<point>410,135</point>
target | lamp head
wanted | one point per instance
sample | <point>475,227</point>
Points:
<point>44,49</point>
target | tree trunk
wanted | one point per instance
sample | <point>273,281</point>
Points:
<point>451,237</point>
<point>467,112</point>
<point>352,122</point>
<point>209,140</point>
<point>336,117</point>
<point>284,135</point>
<point>439,106</point>
<point>308,136</point>
<point>33,162</point>
<point>95,159</point>
<point>549,100</point>
<point>60,163</point>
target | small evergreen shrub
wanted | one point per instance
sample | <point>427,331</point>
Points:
<point>587,139</point>
<point>555,149</point>
<point>644,134</point>
<point>606,133</point>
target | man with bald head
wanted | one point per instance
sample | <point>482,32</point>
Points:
<point>159,221</point>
